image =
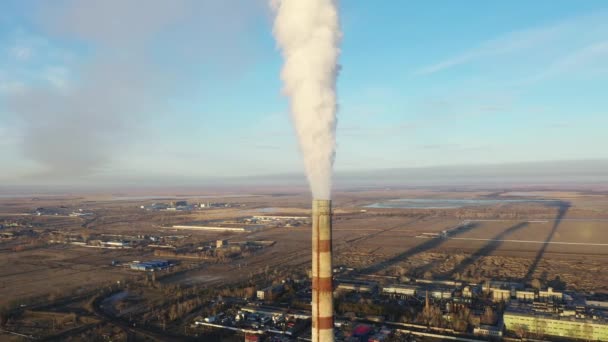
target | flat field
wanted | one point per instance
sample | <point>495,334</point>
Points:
<point>567,238</point>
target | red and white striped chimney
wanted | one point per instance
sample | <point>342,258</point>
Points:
<point>322,285</point>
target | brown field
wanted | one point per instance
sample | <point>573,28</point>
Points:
<point>375,241</point>
<point>54,270</point>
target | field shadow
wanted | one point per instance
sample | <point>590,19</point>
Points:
<point>562,209</point>
<point>492,245</point>
<point>423,247</point>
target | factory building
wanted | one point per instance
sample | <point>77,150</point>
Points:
<point>441,293</point>
<point>398,290</point>
<point>496,284</point>
<point>117,244</point>
<point>499,295</point>
<point>270,293</point>
<point>467,292</point>
<point>439,282</point>
<point>525,295</point>
<point>280,218</point>
<point>356,286</point>
<point>550,295</point>
<point>553,325</point>
<point>488,330</point>
<point>153,265</point>
<point>212,228</point>
<point>597,304</point>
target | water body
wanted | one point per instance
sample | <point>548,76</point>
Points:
<point>435,203</point>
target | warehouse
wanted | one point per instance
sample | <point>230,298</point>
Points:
<point>398,290</point>
<point>356,286</point>
<point>153,265</point>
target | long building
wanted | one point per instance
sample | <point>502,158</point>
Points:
<point>399,290</point>
<point>224,229</point>
<point>525,295</point>
<point>552,325</point>
<point>550,295</point>
<point>356,286</point>
<point>499,295</point>
<point>150,265</point>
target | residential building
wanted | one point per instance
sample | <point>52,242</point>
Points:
<point>552,325</point>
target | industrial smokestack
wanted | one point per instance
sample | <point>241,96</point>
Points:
<point>322,285</point>
<point>308,34</point>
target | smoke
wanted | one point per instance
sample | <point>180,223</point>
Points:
<point>134,58</point>
<point>308,34</point>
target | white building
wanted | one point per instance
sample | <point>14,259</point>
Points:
<point>400,290</point>
<point>499,295</point>
<point>550,295</point>
<point>525,295</point>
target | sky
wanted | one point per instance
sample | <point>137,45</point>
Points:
<point>116,91</point>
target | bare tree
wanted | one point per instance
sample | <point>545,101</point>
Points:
<point>521,331</point>
<point>489,316</point>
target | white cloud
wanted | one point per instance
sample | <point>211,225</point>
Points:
<point>592,56</point>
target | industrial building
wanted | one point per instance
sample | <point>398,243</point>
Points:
<point>553,325</point>
<point>270,292</point>
<point>399,290</point>
<point>525,295</point>
<point>497,284</point>
<point>153,265</point>
<point>550,295</point>
<point>467,292</point>
<point>489,330</point>
<point>280,218</point>
<point>439,282</point>
<point>441,293</point>
<point>356,286</point>
<point>597,304</point>
<point>223,229</point>
<point>499,295</point>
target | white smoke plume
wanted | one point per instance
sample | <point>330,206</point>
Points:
<point>308,34</point>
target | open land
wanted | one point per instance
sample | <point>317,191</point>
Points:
<point>54,248</point>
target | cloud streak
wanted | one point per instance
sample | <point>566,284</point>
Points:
<point>550,37</point>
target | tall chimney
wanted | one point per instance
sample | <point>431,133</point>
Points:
<point>322,286</point>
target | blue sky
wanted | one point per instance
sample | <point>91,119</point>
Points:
<point>103,91</point>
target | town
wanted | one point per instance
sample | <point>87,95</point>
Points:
<point>242,270</point>
<point>385,310</point>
